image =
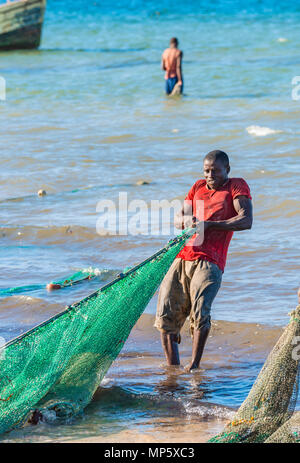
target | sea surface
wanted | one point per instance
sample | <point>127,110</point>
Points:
<point>85,118</point>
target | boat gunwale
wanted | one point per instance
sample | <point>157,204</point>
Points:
<point>16,3</point>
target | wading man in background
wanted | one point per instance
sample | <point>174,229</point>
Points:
<point>216,207</point>
<point>171,63</point>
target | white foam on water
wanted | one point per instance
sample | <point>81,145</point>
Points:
<point>49,416</point>
<point>96,271</point>
<point>282,39</point>
<point>259,131</point>
<point>106,381</point>
<point>208,410</point>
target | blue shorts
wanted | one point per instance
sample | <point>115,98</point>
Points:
<point>170,84</point>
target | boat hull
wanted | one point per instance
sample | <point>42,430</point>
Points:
<point>21,24</point>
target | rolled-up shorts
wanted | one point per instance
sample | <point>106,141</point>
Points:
<point>187,290</point>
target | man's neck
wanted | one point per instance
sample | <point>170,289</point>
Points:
<point>220,186</point>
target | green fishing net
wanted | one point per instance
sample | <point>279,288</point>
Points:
<point>268,409</point>
<point>59,364</point>
<point>74,279</point>
<point>77,277</point>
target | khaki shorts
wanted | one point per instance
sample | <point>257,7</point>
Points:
<point>187,290</point>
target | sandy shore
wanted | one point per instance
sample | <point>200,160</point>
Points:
<point>168,430</point>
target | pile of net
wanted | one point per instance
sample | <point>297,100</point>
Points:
<point>267,413</point>
<point>59,364</point>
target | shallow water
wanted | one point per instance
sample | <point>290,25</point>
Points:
<point>85,117</point>
<point>140,394</point>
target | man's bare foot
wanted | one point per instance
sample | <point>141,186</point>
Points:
<point>191,367</point>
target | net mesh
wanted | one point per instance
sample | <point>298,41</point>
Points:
<point>271,401</point>
<point>288,432</point>
<point>59,364</point>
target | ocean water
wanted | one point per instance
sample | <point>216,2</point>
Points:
<point>85,118</point>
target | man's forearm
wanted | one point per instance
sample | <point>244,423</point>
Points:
<point>179,76</point>
<point>236,223</point>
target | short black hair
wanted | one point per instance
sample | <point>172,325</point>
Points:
<point>218,155</point>
<point>174,40</point>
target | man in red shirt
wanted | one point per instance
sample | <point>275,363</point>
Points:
<point>216,207</point>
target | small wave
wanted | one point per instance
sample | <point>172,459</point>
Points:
<point>91,50</point>
<point>208,410</point>
<point>69,193</point>
<point>50,234</point>
<point>258,131</point>
<point>99,271</point>
<point>20,289</point>
<point>10,306</point>
<point>118,138</point>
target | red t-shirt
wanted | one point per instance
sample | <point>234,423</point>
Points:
<point>218,205</point>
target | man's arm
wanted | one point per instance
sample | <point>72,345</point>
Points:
<point>163,67</point>
<point>178,68</point>
<point>242,221</point>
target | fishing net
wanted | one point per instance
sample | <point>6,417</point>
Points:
<point>74,279</point>
<point>271,401</point>
<point>288,432</point>
<point>59,364</point>
<point>77,277</point>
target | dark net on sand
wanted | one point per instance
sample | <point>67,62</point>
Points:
<point>59,364</point>
<point>267,412</point>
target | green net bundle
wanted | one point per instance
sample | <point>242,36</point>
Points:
<point>59,364</point>
<point>271,401</point>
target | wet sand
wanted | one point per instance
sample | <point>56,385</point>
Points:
<point>164,431</point>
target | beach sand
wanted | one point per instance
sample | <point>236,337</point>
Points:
<point>168,430</point>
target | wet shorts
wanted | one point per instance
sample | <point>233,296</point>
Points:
<point>170,84</point>
<point>187,290</point>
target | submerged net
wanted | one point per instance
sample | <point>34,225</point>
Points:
<point>74,279</point>
<point>59,364</point>
<point>271,401</point>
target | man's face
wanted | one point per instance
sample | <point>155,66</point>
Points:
<point>215,173</point>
